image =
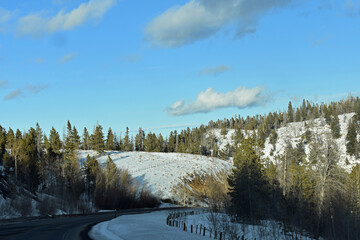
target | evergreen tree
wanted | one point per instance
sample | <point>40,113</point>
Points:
<point>29,171</point>
<point>351,139</point>
<point>223,132</point>
<point>75,138</point>
<point>112,175</point>
<point>298,116</point>
<point>335,126</point>
<point>139,140</point>
<point>151,143</point>
<point>10,139</point>
<point>54,142</point>
<point>161,144</point>
<point>2,142</point>
<point>290,113</point>
<point>172,142</point>
<point>303,111</point>
<point>273,137</point>
<point>92,172</point>
<point>110,140</point>
<point>86,140</point>
<point>69,140</point>
<point>327,114</point>
<point>248,184</point>
<point>127,143</point>
<point>97,139</point>
<point>39,139</point>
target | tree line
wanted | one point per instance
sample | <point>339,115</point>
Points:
<point>50,165</point>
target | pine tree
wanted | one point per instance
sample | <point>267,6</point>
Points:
<point>69,141</point>
<point>10,139</point>
<point>112,175</point>
<point>75,138</point>
<point>97,139</point>
<point>139,140</point>
<point>161,144</point>
<point>351,139</point>
<point>110,140</point>
<point>248,183</point>
<point>353,189</point>
<point>86,140</point>
<point>290,113</point>
<point>298,116</point>
<point>151,142</point>
<point>54,142</point>
<point>303,111</point>
<point>2,142</point>
<point>92,172</point>
<point>223,132</point>
<point>126,141</point>
<point>39,139</point>
<point>172,142</point>
<point>273,137</point>
<point>28,155</point>
<point>335,126</point>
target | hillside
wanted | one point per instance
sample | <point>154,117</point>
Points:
<point>161,172</point>
<point>294,133</point>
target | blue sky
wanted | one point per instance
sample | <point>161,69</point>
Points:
<point>165,64</point>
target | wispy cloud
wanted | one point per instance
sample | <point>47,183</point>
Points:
<point>5,15</point>
<point>215,70</point>
<point>35,89</point>
<point>3,82</point>
<point>39,60</point>
<point>36,24</point>
<point>352,7</point>
<point>14,95</point>
<point>321,41</point>
<point>131,58</point>
<point>200,19</point>
<point>211,100</point>
<point>67,58</point>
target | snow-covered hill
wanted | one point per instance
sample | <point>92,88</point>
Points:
<point>162,172</point>
<point>293,133</point>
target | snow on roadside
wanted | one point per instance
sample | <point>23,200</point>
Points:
<point>150,226</point>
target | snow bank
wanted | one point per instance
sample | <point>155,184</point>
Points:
<point>153,226</point>
<point>150,226</point>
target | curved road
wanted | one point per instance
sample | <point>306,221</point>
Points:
<point>75,227</point>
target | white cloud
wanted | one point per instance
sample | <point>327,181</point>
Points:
<point>210,100</point>
<point>215,70</point>
<point>36,24</point>
<point>67,58</point>
<point>200,19</point>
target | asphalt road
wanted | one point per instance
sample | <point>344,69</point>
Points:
<point>75,227</point>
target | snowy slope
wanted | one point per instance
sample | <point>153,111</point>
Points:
<point>293,133</point>
<point>161,172</point>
